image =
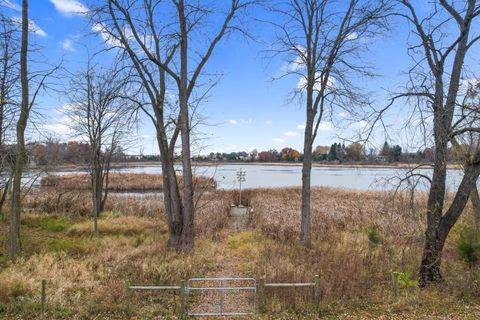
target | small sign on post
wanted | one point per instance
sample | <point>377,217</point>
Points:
<point>395,286</point>
<point>241,175</point>
<point>43,294</point>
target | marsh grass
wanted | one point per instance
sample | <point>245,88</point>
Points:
<point>86,275</point>
<point>120,182</point>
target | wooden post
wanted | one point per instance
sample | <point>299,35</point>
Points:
<point>261,296</point>
<point>43,294</point>
<point>127,298</point>
<point>395,285</point>
<point>316,290</point>
<point>182,299</point>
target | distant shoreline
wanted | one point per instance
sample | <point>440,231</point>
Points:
<point>118,165</point>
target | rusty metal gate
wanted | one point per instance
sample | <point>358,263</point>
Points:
<point>244,288</point>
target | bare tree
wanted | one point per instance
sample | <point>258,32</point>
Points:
<point>28,100</point>
<point>100,111</point>
<point>169,51</point>
<point>445,35</point>
<point>9,87</point>
<point>20,130</point>
<point>324,40</point>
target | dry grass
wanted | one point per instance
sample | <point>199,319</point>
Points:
<point>119,182</point>
<point>122,225</point>
<point>86,275</point>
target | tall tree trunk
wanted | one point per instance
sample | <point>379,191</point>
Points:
<point>21,126</point>
<point>97,186</point>
<point>433,246</point>
<point>171,194</point>
<point>305,233</point>
<point>188,232</point>
<point>439,226</point>
<point>475,199</point>
<point>96,199</point>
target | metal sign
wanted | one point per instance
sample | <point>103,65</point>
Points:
<point>241,177</point>
<point>246,288</point>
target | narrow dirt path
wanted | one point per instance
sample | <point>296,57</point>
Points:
<point>228,301</point>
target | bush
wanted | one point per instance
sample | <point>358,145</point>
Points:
<point>468,245</point>
<point>47,223</point>
<point>75,246</point>
<point>374,236</point>
<point>405,280</point>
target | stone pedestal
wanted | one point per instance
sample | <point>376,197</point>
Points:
<point>239,216</point>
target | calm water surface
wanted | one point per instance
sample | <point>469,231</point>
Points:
<point>273,176</point>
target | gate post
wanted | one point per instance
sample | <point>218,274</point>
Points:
<point>261,296</point>
<point>127,298</point>
<point>316,291</point>
<point>182,299</point>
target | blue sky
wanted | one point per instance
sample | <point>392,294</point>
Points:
<point>246,109</point>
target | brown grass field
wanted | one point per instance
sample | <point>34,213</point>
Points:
<point>119,182</point>
<point>359,239</point>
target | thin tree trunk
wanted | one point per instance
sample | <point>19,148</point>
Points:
<point>188,232</point>
<point>21,126</point>
<point>475,199</point>
<point>4,195</point>
<point>305,233</point>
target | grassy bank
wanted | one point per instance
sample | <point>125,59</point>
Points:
<point>359,238</point>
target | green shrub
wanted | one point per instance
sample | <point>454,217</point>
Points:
<point>55,225</point>
<point>70,246</point>
<point>468,245</point>
<point>47,223</point>
<point>405,280</point>
<point>374,236</point>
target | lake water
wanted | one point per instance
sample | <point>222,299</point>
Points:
<point>272,176</point>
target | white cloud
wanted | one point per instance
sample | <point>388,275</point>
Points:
<point>109,40</point>
<point>246,121</point>
<point>57,128</point>
<point>297,64</point>
<point>67,45</point>
<point>290,134</point>
<point>325,126</point>
<point>268,122</point>
<point>468,84</point>
<point>11,5</point>
<point>352,36</point>
<point>278,140</point>
<point>69,7</point>
<point>234,122</point>
<point>32,27</point>
<point>343,114</point>
<point>360,124</point>
<point>302,83</point>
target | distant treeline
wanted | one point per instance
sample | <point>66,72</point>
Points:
<point>336,153</point>
<point>78,153</point>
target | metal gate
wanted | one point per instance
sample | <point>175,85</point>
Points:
<point>243,287</point>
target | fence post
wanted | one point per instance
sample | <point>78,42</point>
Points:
<point>127,298</point>
<point>395,285</point>
<point>182,299</point>
<point>43,294</point>
<point>316,290</point>
<point>261,296</point>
